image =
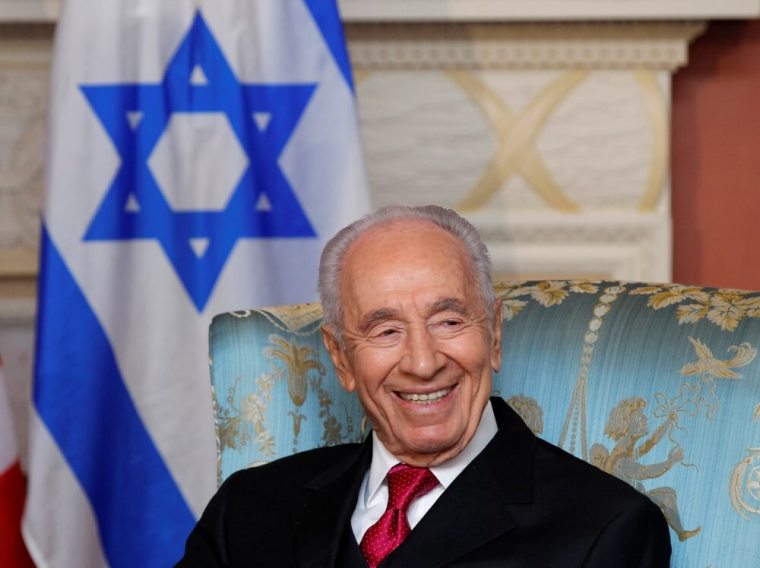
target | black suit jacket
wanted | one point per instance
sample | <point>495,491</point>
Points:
<point>521,503</point>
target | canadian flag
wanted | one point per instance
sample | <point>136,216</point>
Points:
<point>12,489</point>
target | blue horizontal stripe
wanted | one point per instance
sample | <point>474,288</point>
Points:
<point>81,397</point>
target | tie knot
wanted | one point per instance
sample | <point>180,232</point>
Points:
<point>406,483</point>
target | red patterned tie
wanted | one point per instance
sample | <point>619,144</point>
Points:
<point>405,484</point>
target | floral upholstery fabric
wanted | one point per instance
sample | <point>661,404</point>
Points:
<point>658,384</point>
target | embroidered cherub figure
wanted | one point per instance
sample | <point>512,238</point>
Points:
<point>627,425</point>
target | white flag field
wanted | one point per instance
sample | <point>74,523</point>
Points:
<point>200,155</point>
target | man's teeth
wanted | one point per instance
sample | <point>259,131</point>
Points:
<point>425,398</point>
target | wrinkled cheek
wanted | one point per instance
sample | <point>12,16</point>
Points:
<point>378,406</point>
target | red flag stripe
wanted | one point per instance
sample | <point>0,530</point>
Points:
<point>12,492</point>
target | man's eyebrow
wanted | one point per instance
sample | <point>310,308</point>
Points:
<point>376,316</point>
<point>381,315</point>
<point>450,305</point>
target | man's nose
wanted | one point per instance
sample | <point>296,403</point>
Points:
<point>421,357</point>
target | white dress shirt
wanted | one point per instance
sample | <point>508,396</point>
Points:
<point>373,493</point>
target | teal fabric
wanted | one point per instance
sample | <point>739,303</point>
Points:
<point>256,363</point>
<point>658,384</point>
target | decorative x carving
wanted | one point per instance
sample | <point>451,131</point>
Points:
<point>517,134</point>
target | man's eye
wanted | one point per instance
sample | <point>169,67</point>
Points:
<point>385,333</point>
<point>449,324</point>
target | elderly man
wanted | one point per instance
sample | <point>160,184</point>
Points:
<point>449,477</point>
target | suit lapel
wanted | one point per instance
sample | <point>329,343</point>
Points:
<point>475,508</point>
<point>329,503</point>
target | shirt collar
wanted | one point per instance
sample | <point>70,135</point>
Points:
<point>447,472</point>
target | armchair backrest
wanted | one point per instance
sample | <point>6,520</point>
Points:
<point>658,384</point>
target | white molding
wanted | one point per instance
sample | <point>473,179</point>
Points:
<point>476,10</point>
<point>27,47</point>
<point>17,312</point>
<point>543,10</point>
<point>25,57</point>
<point>611,244</point>
<point>630,45</point>
<point>29,10</point>
<point>590,261</point>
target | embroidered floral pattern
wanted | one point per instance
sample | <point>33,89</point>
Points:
<point>299,360</point>
<point>725,307</point>
<point>239,422</point>
<point>516,295</point>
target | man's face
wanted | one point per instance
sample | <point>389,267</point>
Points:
<point>417,344</point>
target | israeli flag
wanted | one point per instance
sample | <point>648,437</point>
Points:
<point>200,154</point>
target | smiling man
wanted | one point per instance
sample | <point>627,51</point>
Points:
<point>449,477</point>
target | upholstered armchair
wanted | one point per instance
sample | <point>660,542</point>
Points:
<point>658,384</point>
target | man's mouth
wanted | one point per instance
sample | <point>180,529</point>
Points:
<point>425,398</point>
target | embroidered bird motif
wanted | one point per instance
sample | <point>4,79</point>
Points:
<point>706,362</point>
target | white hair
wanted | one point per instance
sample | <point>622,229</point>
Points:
<point>331,262</point>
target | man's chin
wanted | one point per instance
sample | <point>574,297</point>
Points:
<point>430,449</point>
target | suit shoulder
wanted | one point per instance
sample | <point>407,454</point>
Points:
<point>580,481</point>
<point>298,467</point>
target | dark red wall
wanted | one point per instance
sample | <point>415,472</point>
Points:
<point>716,159</point>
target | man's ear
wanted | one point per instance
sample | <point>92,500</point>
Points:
<point>496,336</point>
<point>339,359</point>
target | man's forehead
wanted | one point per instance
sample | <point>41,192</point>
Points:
<point>395,242</point>
<point>405,265</point>
<point>402,228</point>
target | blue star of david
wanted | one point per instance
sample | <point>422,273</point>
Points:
<point>134,206</point>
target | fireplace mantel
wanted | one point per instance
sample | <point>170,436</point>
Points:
<point>545,10</point>
<point>478,10</point>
